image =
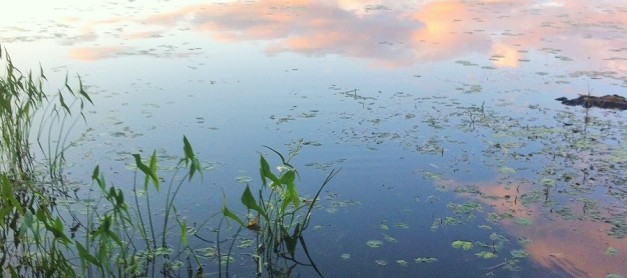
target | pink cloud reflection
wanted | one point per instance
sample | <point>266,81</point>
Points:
<point>94,53</point>
<point>398,33</point>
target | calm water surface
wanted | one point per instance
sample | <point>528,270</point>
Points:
<point>441,115</point>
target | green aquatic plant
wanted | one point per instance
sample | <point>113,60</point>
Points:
<point>45,232</point>
<point>280,217</point>
<point>373,243</point>
<point>486,255</point>
<point>466,245</point>
<point>427,260</point>
<point>34,237</point>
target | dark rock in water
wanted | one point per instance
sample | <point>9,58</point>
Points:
<point>606,102</point>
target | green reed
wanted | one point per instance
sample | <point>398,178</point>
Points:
<point>32,238</point>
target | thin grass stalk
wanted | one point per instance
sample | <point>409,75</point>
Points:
<point>218,248</point>
<point>150,222</point>
<point>228,254</point>
<point>142,225</point>
<point>170,203</point>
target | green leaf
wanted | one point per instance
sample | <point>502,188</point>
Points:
<point>519,253</point>
<point>374,243</point>
<point>190,159</point>
<point>288,177</point>
<point>65,107</point>
<point>84,254</point>
<point>82,92</point>
<point>507,170</point>
<point>486,255</point>
<point>227,213</point>
<point>426,260</point>
<point>13,272</point>
<point>67,86</point>
<point>249,201</point>
<point>7,191</point>
<point>291,188</point>
<point>146,170</point>
<point>183,225</point>
<point>266,173</point>
<point>187,148</point>
<point>466,245</point>
<point>287,199</point>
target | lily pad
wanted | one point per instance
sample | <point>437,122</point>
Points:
<point>486,255</point>
<point>374,243</point>
<point>466,245</point>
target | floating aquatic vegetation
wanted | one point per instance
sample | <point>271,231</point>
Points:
<point>449,220</point>
<point>389,238</point>
<point>507,170</point>
<point>496,217</point>
<point>611,251</point>
<point>519,253</point>
<point>524,241</point>
<point>401,262</point>
<point>435,224</point>
<point>613,275</point>
<point>466,245</point>
<point>401,225</point>
<point>523,221</point>
<point>467,208</point>
<point>497,237</point>
<point>427,260</point>
<point>465,63</point>
<point>225,259</point>
<point>486,255</point>
<point>243,179</point>
<point>619,227</point>
<point>245,243</point>
<point>373,243</point>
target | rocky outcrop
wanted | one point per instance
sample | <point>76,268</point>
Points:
<point>606,102</point>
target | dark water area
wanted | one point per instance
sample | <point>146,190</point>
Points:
<point>456,160</point>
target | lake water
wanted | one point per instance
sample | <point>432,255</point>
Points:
<point>440,115</point>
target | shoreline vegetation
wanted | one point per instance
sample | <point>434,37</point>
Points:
<point>47,231</point>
